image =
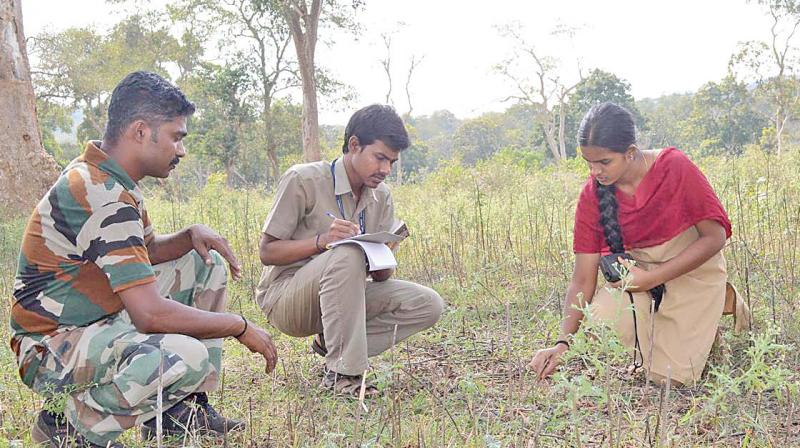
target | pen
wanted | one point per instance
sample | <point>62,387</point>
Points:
<point>333,216</point>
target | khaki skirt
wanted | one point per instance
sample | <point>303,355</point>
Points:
<point>675,341</point>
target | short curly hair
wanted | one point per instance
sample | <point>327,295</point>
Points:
<point>144,96</point>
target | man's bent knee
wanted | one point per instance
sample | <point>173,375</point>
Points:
<point>435,305</point>
<point>191,352</point>
<point>349,258</point>
<point>217,261</point>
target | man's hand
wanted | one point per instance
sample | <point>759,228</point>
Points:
<point>204,239</point>
<point>381,275</point>
<point>545,361</point>
<point>259,341</point>
<point>340,229</point>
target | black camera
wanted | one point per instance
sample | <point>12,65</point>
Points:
<point>612,271</point>
<point>610,267</point>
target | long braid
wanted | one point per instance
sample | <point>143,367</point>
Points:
<point>607,204</point>
<point>611,127</point>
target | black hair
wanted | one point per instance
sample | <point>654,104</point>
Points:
<point>377,122</point>
<point>608,126</point>
<point>144,96</point>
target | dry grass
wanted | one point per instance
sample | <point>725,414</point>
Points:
<point>495,242</point>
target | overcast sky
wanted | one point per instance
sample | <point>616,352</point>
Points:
<point>659,47</point>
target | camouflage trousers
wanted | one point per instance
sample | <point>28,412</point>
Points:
<point>109,372</point>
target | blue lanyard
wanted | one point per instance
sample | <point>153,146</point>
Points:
<point>361,215</point>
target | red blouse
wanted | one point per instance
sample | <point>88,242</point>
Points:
<point>673,196</point>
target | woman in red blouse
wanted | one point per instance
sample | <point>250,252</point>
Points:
<point>656,206</point>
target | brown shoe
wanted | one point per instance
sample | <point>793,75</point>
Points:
<point>318,345</point>
<point>348,385</point>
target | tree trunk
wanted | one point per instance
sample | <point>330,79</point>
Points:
<point>550,133</point>
<point>27,169</point>
<point>311,146</point>
<point>780,121</point>
<point>562,121</point>
<point>274,166</point>
<point>562,118</point>
<point>303,24</point>
<point>400,168</point>
<point>273,163</point>
<point>269,138</point>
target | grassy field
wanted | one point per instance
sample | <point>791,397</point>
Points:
<point>495,241</point>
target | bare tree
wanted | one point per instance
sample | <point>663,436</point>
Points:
<point>386,63</point>
<point>546,93</point>
<point>773,64</point>
<point>412,66</point>
<point>270,42</point>
<point>415,61</point>
<point>257,27</point>
<point>27,170</point>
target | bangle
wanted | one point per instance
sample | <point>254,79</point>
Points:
<point>562,341</point>
<point>245,328</point>
<point>316,243</point>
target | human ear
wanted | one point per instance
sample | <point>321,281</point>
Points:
<point>630,153</point>
<point>139,130</point>
<point>353,144</point>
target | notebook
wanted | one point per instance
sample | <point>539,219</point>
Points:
<point>379,255</point>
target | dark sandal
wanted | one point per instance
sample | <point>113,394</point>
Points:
<point>349,385</point>
<point>318,345</point>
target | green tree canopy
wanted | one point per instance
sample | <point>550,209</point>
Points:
<point>723,118</point>
<point>478,138</point>
<point>600,86</point>
<point>219,92</point>
<point>79,67</point>
<point>664,116</point>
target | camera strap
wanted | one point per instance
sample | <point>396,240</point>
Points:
<point>637,348</point>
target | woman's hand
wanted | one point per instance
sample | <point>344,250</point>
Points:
<point>545,361</point>
<point>638,279</point>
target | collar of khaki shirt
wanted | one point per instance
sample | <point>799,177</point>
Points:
<point>343,186</point>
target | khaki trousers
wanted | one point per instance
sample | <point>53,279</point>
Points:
<point>359,318</point>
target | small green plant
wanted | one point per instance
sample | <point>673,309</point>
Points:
<point>600,356</point>
<point>736,394</point>
<point>56,401</point>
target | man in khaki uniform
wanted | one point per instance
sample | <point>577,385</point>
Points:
<point>306,289</point>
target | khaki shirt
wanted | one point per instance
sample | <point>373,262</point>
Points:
<point>305,195</point>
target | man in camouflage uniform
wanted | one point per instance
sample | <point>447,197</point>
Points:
<point>107,312</point>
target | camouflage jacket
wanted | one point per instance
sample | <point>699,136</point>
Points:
<point>84,243</point>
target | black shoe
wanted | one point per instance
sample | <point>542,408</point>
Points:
<point>174,422</point>
<point>211,420</point>
<point>193,413</point>
<point>53,430</point>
